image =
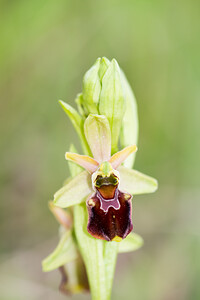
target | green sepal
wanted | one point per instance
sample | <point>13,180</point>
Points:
<point>98,135</point>
<point>112,102</point>
<point>135,182</point>
<point>64,253</point>
<point>75,191</point>
<point>129,128</point>
<point>131,243</point>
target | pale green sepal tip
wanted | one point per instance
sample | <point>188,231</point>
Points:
<point>104,64</point>
<point>77,122</point>
<point>135,182</point>
<point>72,113</point>
<point>64,253</point>
<point>131,243</point>
<point>74,192</point>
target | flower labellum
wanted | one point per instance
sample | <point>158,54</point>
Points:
<point>109,208</point>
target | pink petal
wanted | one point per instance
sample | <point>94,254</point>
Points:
<point>84,161</point>
<point>120,156</point>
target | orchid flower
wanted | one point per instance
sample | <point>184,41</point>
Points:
<point>107,185</point>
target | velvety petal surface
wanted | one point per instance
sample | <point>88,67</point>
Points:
<point>112,224</point>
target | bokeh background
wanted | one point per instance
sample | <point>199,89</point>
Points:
<point>46,47</point>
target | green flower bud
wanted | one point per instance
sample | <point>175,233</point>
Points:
<point>106,91</point>
<point>92,88</point>
<point>104,64</point>
<point>112,101</point>
<point>92,84</point>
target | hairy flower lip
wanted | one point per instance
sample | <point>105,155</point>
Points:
<point>109,222</point>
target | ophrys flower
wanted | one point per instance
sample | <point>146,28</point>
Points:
<point>107,185</point>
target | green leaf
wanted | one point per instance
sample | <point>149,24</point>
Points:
<point>135,182</point>
<point>72,114</point>
<point>97,132</point>
<point>129,129</point>
<point>112,102</point>
<point>131,243</point>
<point>74,191</point>
<point>77,122</point>
<point>81,107</point>
<point>64,253</point>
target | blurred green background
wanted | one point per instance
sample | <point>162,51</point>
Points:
<point>46,47</point>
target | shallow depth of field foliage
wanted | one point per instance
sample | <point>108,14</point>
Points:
<point>46,46</point>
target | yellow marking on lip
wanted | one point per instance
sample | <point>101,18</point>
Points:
<point>127,196</point>
<point>117,239</point>
<point>91,202</point>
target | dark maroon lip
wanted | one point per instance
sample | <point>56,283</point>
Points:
<point>109,218</point>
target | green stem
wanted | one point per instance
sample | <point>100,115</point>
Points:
<point>110,258</point>
<point>92,251</point>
